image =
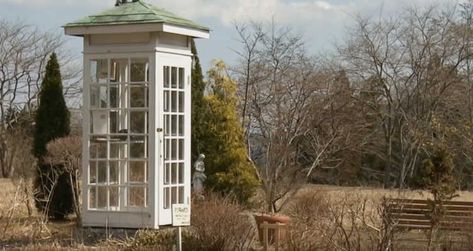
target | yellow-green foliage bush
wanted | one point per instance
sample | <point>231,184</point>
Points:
<point>227,165</point>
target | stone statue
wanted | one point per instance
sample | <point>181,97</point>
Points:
<point>199,177</point>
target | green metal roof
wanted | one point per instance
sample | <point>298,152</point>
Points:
<point>137,12</point>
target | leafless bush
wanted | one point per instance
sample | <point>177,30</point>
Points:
<point>67,152</point>
<point>22,163</point>
<point>308,217</point>
<point>219,224</point>
<point>349,222</point>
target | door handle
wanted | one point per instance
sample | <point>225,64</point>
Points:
<point>159,129</point>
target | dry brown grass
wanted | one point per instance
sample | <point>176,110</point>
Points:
<point>319,210</point>
<point>21,231</point>
<point>378,193</point>
<point>354,218</point>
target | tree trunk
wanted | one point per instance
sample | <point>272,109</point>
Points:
<point>388,165</point>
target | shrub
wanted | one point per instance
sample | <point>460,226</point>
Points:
<point>159,240</point>
<point>309,214</point>
<point>349,221</point>
<point>218,223</point>
<point>67,153</point>
<point>439,180</point>
<point>227,165</point>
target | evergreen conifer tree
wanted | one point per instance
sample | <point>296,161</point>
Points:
<point>198,109</point>
<point>222,141</point>
<point>53,191</point>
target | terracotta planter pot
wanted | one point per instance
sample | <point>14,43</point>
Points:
<point>272,219</point>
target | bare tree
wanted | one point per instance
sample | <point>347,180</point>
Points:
<point>24,51</point>
<point>406,66</point>
<point>274,78</point>
<point>284,92</point>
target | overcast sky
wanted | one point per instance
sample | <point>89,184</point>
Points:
<point>322,23</point>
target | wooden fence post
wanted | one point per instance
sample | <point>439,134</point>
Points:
<point>277,234</point>
<point>265,235</point>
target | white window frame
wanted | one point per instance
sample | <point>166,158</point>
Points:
<point>180,61</point>
<point>131,217</point>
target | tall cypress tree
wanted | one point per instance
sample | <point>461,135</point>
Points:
<point>198,109</point>
<point>52,121</point>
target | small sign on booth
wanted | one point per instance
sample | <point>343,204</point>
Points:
<point>181,215</point>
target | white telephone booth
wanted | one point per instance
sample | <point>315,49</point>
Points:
<point>137,105</point>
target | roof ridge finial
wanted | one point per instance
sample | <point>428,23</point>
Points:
<point>120,2</point>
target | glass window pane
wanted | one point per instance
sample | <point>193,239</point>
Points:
<point>166,125</point>
<point>173,195</point>
<point>114,122</point>
<point>98,149</point>
<point>103,96</point>
<point>181,102</point>
<point>173,149</point>
<point>137,171</point>
<point>173,101</point>
<point>94,96</point>
<point>102,197</point>
<point>167,149</point>
<point>181,125</point>
<point>118,96</point>
<point>173,77</point>
<point>99,121</point>
<point>118,124</point>
<point>181,173</point>
<point>98,71</point>
<point>166,198</point>
<point>181,195</point>
<point>93,71</point>
<point>137,147</point>
<point>114,96</point>
<point>92,197</point>
<point>118,70</point>
<point>113,175</point>
<point>173,125</point>
<point>92,172</point>
<point>167,167</point>
<point>138,96</point>
<point>138,70</point>
<point>136,196</point>
<point>138,122</point>
<point>181,78</point>
<point>98,96</point>
<point>166,76</point>
<point>118,150</point>
<point>181,149</point>
<point>114,196</point>
<point>174,173</point>
<point>166,101</point>
<point>102,172</point>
